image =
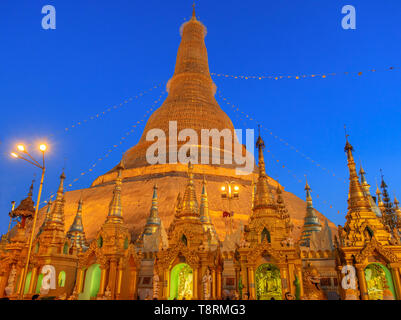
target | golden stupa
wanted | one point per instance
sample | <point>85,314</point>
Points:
<point>191,104</point>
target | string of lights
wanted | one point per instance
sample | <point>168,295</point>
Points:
<point>301,76</point>
<point>114,147</point>
<point>110,109</point>
<point>282,165</point>
<point>284,142</point>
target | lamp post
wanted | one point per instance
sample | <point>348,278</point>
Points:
<point>11,217</point>
<point>31,160</point>
<point>229,192</point>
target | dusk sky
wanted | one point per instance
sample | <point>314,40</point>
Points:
<point>103,53</point>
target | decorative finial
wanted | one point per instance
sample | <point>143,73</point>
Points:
<point>346,134</point>
<point>383,185</point>
<point>260,144</point>
<point>348,146</point>
<point>307,185</point>
<point>31,189</point>
<point>193,10</point>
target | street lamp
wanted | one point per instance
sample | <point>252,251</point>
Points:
<point>229,192</point>
<point>31,160</point>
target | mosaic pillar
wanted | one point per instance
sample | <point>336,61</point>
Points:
<point>79,281</point>
<point>195,296</point>
<point>166,275</point>
<point>395,270</point>
<point>360,270</point>
<point>119,280</point>
<point>33,280</point>
<point>214,285</point>
<point>219,277</point>
<point>102,287</point>
<point>251,277</point>
<point>112,277</point>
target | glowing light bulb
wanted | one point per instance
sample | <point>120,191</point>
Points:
<point>21,148</point>
<point>14,155</point>
<point>236,188</point>
<point>43,147</point>
<point>223,188</point>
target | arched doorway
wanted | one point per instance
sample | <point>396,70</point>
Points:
<point>379,282</point>
<point>268,282</point>
<point>181,282</point>
<point>92,282</point>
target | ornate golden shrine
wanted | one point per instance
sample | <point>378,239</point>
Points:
<point>191,242</point>
<point>267,260</point>
<point>113,253</point>
<point>364,240</point>
<point>267,241</point>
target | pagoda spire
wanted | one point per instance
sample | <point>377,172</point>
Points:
<point>189,203</point>
<point>311,221</point>
<point>379,197</point>
<point>77,224</point>
<point>366,190</point>
<point>115,214</point>
<point>153,222</point>
<point>253,192</point>
<point>389,215</point>
<point>263,196</point>
<point>56,216</point>
<point>193,11</point>
<point>76,233</point>
<point>47,216</point>
<point>362,223</point>
<point>364,183</point>
<point>204,204</point>
<point>207,224</point>
<point>356,197</point>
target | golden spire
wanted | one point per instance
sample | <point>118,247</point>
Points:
<point>77,224</point>
<point>253,192</point>
<point>189,202</point>
<point>115,209</point>
<point>56,216</point>
<point>311,221</point>
<point>47,216</point>
<point>379,198</point>
<point>191,98</point>
<point>364,182</point>
<point>153,221</point>
<point>360,212</point>
<point>263,196</point>
<point>193,11</point>
<point>356,197</point>
<point>260,144</point>
<point>76,233</point>
<point>204,205</point>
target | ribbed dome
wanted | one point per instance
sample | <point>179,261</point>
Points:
<point>190,101</point>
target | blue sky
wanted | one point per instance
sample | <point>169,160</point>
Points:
<point>104,52</point>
